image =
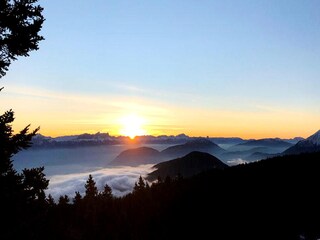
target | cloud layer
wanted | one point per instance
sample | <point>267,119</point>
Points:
<point>120,179</point>
<point>236,162</point>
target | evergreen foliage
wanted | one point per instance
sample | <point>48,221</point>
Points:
<point>251,199</point>
<point>20,23</point>
<point>107,192</point>
<point>22,200</point>
<point>91,189</point>
<point>140,185</point>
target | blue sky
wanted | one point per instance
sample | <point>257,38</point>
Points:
<point>242,57</point>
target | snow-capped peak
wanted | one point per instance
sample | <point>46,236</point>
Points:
<point>315,138</point>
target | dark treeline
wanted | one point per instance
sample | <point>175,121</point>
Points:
<point>271,199</point>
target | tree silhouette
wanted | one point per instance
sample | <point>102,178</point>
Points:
<point>91,189</point>
<point>34,183</point>
<point>10,143</point>
<point>12,183</point>
<point>140,185</point>
<point>64,200</point>
<point>50,200</point>
<point>77,198</point>
<point>107,192</point>
<point>22,194</point>
<point>20,23</point>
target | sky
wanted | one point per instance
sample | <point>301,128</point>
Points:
<point>204,68</point>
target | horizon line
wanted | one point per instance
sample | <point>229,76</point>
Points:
<point>166,135</point>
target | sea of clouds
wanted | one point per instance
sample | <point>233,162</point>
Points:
<point>120,179</point>
<point>68,169</point>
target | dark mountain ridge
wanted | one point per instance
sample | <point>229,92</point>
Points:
<point>137,156</point>
<point>146,155</point>
<point>310,144</point>
<point>266,142</point>
<point>200,144</point>
<point>189,165</point>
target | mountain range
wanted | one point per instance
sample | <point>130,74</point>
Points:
<point>311,144</point>
<point>250,150</point>
<point>200,144</point>
<point>226,149</point>
<point>86,139</point>
<point>147,155</point>
<point>262,143</point>
<point>196,162</point>
<point>256,149</point>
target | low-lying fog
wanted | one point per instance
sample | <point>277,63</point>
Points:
<point>69,168</point>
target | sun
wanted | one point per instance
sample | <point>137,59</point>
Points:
<point>132,126</point>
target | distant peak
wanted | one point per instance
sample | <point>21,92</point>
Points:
<point>182,135</point>
<point>317,133</point>
<point>199,141</point>
<point>315,138</point>
<point>40,136</point>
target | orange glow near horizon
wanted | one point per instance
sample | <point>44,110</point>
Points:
<point>62,114</point>
<point>132,126</point>
<point>225,124</point>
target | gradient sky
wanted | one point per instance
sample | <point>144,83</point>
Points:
<point>210,68</point>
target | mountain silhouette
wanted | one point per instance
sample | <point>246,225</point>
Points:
<point>245,154</point>
<point>137,156</point>
<point>189,165</point>
<point>311,144</point>
<point>201,145</point>
<point>272,145</point>
<point>260,155</point>
<point>147,155</point>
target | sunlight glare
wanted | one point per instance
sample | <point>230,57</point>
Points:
<point>132,126</point>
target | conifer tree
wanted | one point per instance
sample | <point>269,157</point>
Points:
<point>107,192</point>
<point>34,183</point>
<point>64,200</point>
<point>140,185</point>
<point>20,24</point>
<point>12,183</point>
<point>77,198</point>
<point>50,200</point>
<point>91,189</point>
